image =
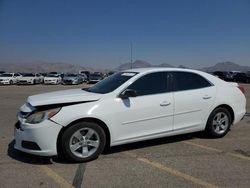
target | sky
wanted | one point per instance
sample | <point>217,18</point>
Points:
<point>98,33</point>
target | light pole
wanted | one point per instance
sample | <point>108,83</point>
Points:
<point>131,55</point>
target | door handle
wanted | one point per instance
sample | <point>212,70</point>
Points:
<point>207,97</point>
<point>165,103</point>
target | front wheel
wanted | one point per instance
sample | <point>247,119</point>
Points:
<point>83,141</point>
<point>218,123</point>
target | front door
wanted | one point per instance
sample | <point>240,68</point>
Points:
<point>149,113</point>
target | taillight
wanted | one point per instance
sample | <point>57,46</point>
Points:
<point>242,89</point>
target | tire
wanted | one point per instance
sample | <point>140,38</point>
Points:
<point>11,82</point>
<point>218,123</point>
<point>82,142</point>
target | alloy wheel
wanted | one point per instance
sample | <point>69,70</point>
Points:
<point>220,122</point>
<point>84,142</point>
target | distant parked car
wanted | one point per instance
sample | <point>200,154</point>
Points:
<point>242,77</point>
<point>84,77</point>
<point>72,79</point>
<point>52,78</point>
<point>223,75</point>
<point>95,77</point>
<point>9,78</point>
<point>30,78</point>
<point>85,74</point>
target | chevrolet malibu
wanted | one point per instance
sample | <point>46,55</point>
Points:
<point>126,107</point>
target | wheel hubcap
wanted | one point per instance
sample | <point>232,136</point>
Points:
<point>84,142</point>
<point>220,123</point>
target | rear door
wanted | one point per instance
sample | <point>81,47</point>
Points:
<point>193,97</point>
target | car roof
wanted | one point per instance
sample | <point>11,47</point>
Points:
<point>211,78</point>
<point>155,69</point>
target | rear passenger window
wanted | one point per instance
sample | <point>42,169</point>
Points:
<point>187,80</point>
<point>153,83</point>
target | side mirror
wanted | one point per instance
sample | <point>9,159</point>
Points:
<point>128,93</point>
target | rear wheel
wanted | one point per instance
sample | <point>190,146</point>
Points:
<point>83,141</point>
<point>219,123</point>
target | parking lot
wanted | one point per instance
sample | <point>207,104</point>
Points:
<point>181,161</point>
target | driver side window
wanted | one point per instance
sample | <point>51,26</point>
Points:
<point>153,83</point>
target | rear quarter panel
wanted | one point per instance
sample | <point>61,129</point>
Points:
<point>233,97</point>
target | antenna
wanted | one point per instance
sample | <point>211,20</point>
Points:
<point>131,55</point>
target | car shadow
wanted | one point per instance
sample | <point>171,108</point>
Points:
<point>41,160</point>
<point>150,143</point>
<point>26,158</point>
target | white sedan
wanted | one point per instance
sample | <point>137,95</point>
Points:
<point>30,78</point>
<point>9,78</point>
<point>52,79</point>
<point>129,106</point>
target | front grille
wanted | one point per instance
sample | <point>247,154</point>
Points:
<point>30,145</point>
<point>67,81</point>
<point>22,81</point>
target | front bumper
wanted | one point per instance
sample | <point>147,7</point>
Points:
<point>51,81</point>
<point>5,82</point>
<point>94,81</point>
<point>43,135</point>
<point>23,82</point>
<point>69,82</point>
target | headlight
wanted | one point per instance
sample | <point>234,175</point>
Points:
<point>38,117</point>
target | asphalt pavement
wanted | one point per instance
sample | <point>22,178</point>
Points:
<point>191,160</point>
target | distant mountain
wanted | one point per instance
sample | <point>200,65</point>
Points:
<point>141,64</point>
<point>42,67</point>
<point>223,66</point>
<point>165,65</point>
<point>226,66</point>
<point>135,64</point>
<point>183,67</point>
<point>65,67</point>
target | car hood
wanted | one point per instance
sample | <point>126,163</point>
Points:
<point>63,97</point>
<point>70,78</point>
<point>26,78</point>
<point>51,78</point>
<point>6,77</point>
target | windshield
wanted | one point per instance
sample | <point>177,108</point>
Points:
<point>110,83</point>
<point>28,75</point>
<point>53,75</point>
<point>71,75</point>
<point>95,75</point>
<point>6,75</point>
